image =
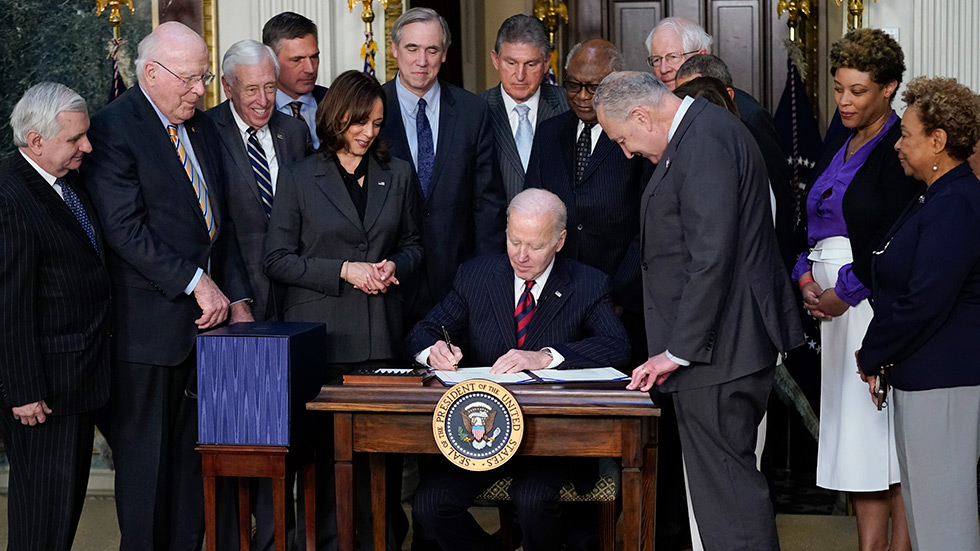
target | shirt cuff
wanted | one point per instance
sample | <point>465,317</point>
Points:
<point>423,357</point>
<point>849,288</point>
<point>676,360</point>
<point>802,266</point>
<point>194,280</point>
<point>556,357</point>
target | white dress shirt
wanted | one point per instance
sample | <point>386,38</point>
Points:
<point>264,135</point>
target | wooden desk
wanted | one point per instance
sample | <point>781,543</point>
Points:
<point>606,423</point>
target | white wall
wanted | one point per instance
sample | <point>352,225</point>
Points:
<point>341,33</point>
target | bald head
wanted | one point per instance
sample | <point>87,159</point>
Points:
<point>171,64</point>
<point>588,63</point>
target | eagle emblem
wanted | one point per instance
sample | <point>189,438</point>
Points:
<point>477,425</point>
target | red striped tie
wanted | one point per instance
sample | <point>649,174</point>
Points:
<point>524,312</point>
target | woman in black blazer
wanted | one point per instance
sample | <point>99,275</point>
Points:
<point>858,193</point>
<point>925,335</point>
<point>345,228</point>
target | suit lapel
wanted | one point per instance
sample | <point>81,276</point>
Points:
<point>500,121</point>
<point>232,141</point>
<point>328,181</point>
<point>500,289</point>
<point>557,291</point>
<point>568,137</point>
<point>447,130</point>
<point>549,105</point>
<point>55,205</point>
<point>377,183</point>
<point>603,146</point>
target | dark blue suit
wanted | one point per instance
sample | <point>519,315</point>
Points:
<point>575,317</point>
<point>464,212</point>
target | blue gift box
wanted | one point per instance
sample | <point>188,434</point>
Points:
<point>254,379</point>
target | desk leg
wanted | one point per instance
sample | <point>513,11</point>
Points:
<point>210,520</point>
<point>244,518</point>
<point>632,485</point>
<point>649,473</point>
<point>308,472</point>
<point>378,500</point>
<point>343,435</point>
<point>279,503</point>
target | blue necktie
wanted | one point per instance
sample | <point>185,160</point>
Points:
<point>427,153</point>
<point>76,208</point>
<point>260,166</point>
<point>525,134</point>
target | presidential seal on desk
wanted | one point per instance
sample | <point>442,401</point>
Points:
<point>478,425</point>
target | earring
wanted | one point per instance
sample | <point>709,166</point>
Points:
<point>935,168</point>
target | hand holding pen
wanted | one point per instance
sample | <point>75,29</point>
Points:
<point>443,356</point>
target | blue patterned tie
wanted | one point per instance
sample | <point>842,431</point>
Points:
<point>524,312</point>
<point>76,208</point>
<point>427,153</point>
<point>260,166</point>
<point>525,134</point>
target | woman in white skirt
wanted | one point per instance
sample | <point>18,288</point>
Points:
<point>858,193</point>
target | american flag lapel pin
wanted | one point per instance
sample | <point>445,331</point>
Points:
<point>558,294</point>
<point>667,163</point>
<point>381,183</point>
<point>279,136</point>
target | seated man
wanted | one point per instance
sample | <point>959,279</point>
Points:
<point>534,312</point>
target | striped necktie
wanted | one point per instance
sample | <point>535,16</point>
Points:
<point>295,105</point>
<point>199,188</point>
<point>524,312</point>
<point>260,166</point>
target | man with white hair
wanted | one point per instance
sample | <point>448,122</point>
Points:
<point>672,42</point>
<point>717,299</point>
<point>157,181</point>
<point>541,311</point>
<point>54,326</point>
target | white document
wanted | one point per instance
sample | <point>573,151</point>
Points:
<point>585,375</point>
<point>467,373</point>
<point>593,374</point>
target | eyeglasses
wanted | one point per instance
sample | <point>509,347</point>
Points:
<point>672,58</point>
<point>189,82</point>
<point>574,87</point>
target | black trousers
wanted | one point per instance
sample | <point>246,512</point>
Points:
<point>446,492</point>
<point>159,489</point>
<point>49,468</point>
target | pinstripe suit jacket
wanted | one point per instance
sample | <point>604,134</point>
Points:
<point>552,102</point>
<point>54,342</point>
<point>291,140</point>
<point>574,316</point>
<point>603,209</point>
<point>156,234</point>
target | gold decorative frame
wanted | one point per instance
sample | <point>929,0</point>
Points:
<point>209,30</point>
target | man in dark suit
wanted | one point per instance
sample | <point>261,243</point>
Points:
<point>255,141</point>
<point>763,129</point>
<point>293,38</point>
<point>252,165</point>
<point>157,182</point>
<point>524,311</point>
<point>717,299</point>
<point>54,326</point>
<point>522,101</point>
<point>444,131</point>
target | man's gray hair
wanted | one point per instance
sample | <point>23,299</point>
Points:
<point>620,92</point>
<point>246,52</point>
<point>537,202</point>
<point>706,65</point>
<point>613,56</point>
<point>420,15</point>
<point>693,36</point>
<point>524,29</point>
<point>39,107</point>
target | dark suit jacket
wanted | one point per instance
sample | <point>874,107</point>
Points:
<point>319,92</point>
<point>603,210</point>
<point>464,213</point>
<point>763,129</point>
<point>315,227</point>
<point>291,141</point>
<point>715,291</point>
<point>875,197</point>
<point>551,102</point>
<point>926,289</point>
<point>54,297</point>
<point>574,316</point>
<point>154,228</point>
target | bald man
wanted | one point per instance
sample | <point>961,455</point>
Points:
<point>157,181</point>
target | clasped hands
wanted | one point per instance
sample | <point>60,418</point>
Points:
<point>370,277</point>
<point>443,357</point>
<point>823,304</point>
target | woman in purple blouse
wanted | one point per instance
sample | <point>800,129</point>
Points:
<point>859,191</point>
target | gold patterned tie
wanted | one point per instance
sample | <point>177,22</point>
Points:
<point>199,188</point>
<point>295,106</point>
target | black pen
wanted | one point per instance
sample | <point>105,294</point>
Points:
<point>445,335</point>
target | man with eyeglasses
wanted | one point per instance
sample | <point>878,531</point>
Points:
<point>157,181</point>
<point>574,158</point>
<point>670,43</point>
